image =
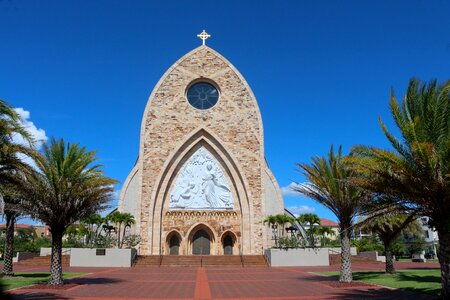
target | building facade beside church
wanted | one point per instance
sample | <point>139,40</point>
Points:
<point>201,184</point>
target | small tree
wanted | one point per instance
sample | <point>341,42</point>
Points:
<point>310,220</point>
<point>68,188</point>
<point>324,231</point>
<point>388,227</point>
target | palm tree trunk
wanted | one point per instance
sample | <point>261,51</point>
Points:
<point>390,268</point>
<point>9,244</point>
<point>444,261</point>
<point>56,274</point>
<point>346,263</point>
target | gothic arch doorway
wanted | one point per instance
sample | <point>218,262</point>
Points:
<point>228,243</point>
<point>201,243</point>
<point>174,245</point>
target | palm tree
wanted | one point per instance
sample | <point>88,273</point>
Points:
<point>310,220</point>
<point>417,173</point>
<point>121,219</point>
<point>282,220</point>
<point>12,199</point>
<point>127,221</point>
<point>329,184</point>
<point>68,188</point>
<point>323,231</point>
<point>93,223</point>
<point>12,171</point>
<point>271,220</point>
<point>387,227</point>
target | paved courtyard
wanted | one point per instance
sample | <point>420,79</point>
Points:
<point>212,283</point>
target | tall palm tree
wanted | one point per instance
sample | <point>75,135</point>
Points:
<point>310,220</point>
<point>69,187</point>
<point>12,171</point>
<point>330,184</point>
<point>417,173</point>
<point>388,226</point>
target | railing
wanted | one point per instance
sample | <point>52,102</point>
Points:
<point>201,261</point>
<point>266,258</point>
<point>160,259</point>
<point>242,259</point>
<point>134,257</point>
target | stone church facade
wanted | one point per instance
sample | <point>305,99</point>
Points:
<point>201,184</point>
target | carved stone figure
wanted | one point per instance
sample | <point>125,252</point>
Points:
<point>201,185</point>
<point>216,195</point>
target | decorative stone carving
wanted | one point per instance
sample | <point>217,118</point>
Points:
<point>201,185</point>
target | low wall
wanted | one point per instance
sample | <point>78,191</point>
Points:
<point>353,251</point>
<point>85,257</point>
<point>24,255</point>
<point>297,257</point>
<point>373,255</point>
<point>48,251</point>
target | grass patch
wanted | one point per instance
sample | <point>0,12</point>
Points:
<point>425,281</point>
<point>22,279</point>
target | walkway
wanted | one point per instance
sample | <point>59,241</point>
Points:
<point>211,283</point>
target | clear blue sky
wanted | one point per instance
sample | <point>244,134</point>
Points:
<point>321,70</point>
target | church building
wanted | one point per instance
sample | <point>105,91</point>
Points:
<point>201,183</point>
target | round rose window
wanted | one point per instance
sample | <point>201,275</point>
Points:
<point>202,95</point>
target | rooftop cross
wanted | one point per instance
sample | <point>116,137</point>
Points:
<point>203,36</point>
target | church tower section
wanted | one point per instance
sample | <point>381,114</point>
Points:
<point>201,184</point>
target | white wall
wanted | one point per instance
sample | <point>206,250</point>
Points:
<point>48,251</point>
<point>83,257</point>
<point>297,257</point>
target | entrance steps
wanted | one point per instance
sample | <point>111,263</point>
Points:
<point>44,261</point>
<point>201,261</point>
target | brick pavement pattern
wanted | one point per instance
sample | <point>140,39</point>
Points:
<point>212,283</point>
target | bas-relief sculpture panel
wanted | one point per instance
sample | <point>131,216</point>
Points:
<point>201,185</point>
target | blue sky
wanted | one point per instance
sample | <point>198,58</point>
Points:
<point>321,70</point>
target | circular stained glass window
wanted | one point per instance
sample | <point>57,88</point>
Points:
<point>202,95</point>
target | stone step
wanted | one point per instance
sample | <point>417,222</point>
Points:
<point>201,260</point>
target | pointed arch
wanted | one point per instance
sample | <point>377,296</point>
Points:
<point>199,138</point>
<point>213,238</point>
<point>195,76</point>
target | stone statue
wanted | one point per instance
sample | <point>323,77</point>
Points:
<point>201,184</point>
<point>186,198</point>
<point>217,195</point>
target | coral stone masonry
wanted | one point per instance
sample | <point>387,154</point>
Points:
<point>201,184</point>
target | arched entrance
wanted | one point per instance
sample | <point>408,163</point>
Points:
<point>174,245</point>
<point>201,243</point>
<point>228,245</point>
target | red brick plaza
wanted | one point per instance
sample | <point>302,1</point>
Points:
<point>212,283</point>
